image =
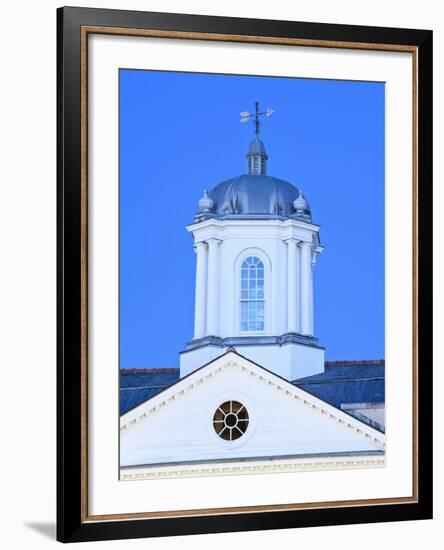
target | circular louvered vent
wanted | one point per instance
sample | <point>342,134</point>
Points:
<point>230,420</point>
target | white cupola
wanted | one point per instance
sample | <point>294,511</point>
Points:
<point>255,247</point>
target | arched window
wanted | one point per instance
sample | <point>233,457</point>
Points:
<point>252,298</point>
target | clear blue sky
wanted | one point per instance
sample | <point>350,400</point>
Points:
<point>180,133</point>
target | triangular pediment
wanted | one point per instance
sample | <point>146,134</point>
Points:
<point>233,373</point>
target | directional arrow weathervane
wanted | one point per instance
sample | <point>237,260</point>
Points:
<point>246,116</point>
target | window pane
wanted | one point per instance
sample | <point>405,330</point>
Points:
<point>260,313</point>
<point>252,295</point>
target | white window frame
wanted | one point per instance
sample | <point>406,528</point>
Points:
<point>267,291</point>
<point>258,264</point>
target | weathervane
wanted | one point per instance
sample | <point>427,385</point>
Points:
<point>246,116</point>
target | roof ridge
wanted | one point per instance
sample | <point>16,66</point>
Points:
<point>346,363</point>
<point>148,371</point>
<point>334,380</point>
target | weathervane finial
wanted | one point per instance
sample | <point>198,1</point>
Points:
<point>246,116</point>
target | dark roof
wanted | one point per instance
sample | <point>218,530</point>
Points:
<point>137,388</point>
<point>341,383</point>
<point>347,382</point>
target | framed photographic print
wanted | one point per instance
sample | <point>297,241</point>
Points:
<point>244,284</point>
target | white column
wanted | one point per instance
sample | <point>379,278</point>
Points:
<point>313,263</point>
<point>306,288</point>
<point>200,305</point>
<point>213,297</point>
<point>293,260</point>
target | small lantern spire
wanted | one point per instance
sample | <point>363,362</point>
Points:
<point>257,156</point>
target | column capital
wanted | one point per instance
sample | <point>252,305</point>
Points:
<point>305,244</point>
<point>289,240</point>
<point>213,241</point>
<point>199,245</point>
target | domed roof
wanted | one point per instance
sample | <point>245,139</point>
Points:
<point>254,196</point>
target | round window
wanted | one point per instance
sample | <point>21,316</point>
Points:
<point>230,421</point>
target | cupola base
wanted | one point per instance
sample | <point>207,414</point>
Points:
<point>290,355</point>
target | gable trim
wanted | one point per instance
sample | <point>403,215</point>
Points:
<point>208,371</point>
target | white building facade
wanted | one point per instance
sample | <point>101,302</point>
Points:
<point>234,400</point>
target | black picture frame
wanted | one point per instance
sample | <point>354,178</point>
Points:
<point>72,525</point>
